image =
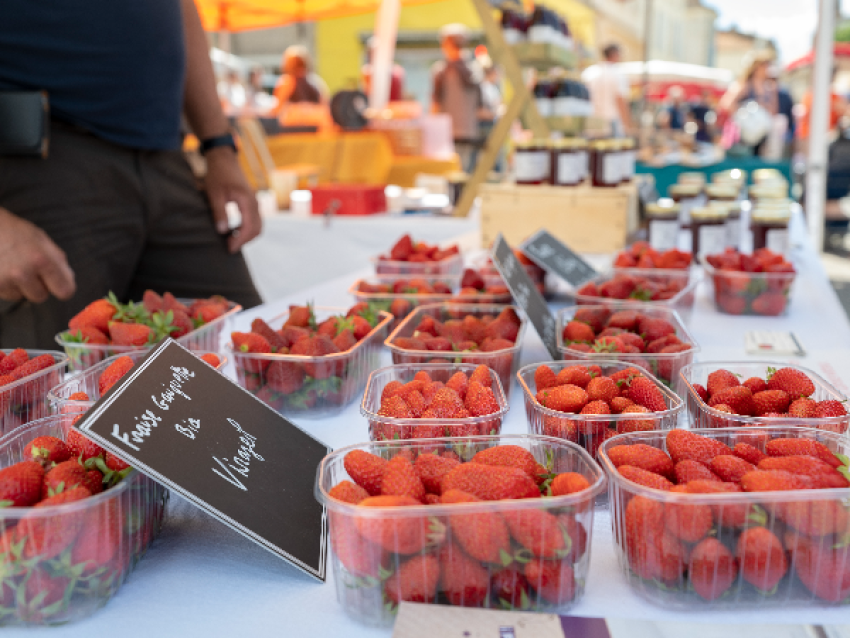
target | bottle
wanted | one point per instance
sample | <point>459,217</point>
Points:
<point>663,222</point>
<point>708,230</point>
<point>629,160</point>
<point>688,196</point>
<point>566,169</point>
<point>532,162</point>
<point>603,171</point>
<point>770,228</point>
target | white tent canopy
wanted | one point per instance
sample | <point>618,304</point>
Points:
<point>662,70</point>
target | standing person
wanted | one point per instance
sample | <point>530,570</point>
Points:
<point>755,86</point>
<point>232,93</point>
<point>302,95</point>
<point>676,112</point>
<point>609,91</point>
<point>456,83</point>
<point>491,97</point>
<point>114,205</point>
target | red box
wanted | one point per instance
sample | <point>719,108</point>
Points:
<point>349,199</point>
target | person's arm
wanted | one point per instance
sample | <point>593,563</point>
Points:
<point>224,181</point>
<point>623,102</point>
<point>731,97</point>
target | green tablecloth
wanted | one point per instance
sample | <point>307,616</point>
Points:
<point>667,175</point>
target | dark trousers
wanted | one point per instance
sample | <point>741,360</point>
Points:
<point>127,220</point>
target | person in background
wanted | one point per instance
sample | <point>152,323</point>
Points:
<point>755,86</point>
<point>609,91</point>
<point>456,90</point>
<point>837,108</point>
<point>114,205</point>
<point>491,97</point>
<point>703,115</point>
<point>259,102</point>
<point>302,95</point>
<point>232,93</point>
<point>674,115</point>
<point>396,81</point>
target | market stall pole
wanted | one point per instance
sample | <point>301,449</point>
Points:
<point>502,53</point>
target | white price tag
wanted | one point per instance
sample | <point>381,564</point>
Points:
<point>772,342</point>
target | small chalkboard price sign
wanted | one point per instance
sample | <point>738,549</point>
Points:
<point>179,421</point>
<point>525,293</point>
<point>556,257</point>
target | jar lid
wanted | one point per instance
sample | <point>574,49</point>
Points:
<point>600,145</point>
<point>769,191</point>
<point>769,216</point>
<point>692,177</point>
<point>692,189</point>
<point>729,207</point>
<point>565,143</point>
<point>767,174</point>
<point>663,206</point>
<point>721,191</point>
<point>541,142</point>
<point>524,145</point>
<point>709,213</point>
<point>734,175</point>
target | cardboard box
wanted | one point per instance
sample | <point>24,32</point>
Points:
<point>587,219</point>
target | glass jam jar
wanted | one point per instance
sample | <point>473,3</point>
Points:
<point>708,230</point>
<point>736,177</point>
<point>770,190</point>
<point>566,170</point>
<point>582,158</point>
<point>692,177</point>
<point>531,162</point>
<point>722,192</point>
<point>663,224</point>
<point>604,170</point>
<point>770,229</point>
<point>762,175</point>
<point>688,197</point>
<point>734,229</point>
<point>629,159</point>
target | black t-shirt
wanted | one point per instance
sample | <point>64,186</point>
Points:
<point>113,67</point>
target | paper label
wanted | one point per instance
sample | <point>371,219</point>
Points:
<point>531,166</point>
<point>733,232</point>
<point>777,240</point>
<point>663,234</point>
<point>568,169</point>
<point>712,239</point>
<point>773,343</point>
<point>610,168</point>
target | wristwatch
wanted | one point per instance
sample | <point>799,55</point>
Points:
<point>210,143</point>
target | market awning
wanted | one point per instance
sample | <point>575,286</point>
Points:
<point>839,50</point>
<point>662,75</point>
<point>245,15</point>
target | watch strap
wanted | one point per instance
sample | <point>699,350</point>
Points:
<point>215,142</point>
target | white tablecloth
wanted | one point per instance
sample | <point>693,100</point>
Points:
<point>201,578</point>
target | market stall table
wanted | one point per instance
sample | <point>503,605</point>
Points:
<point>665,176</point>
<point>202,578</point>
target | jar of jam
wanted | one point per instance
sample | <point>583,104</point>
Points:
<point>604,169</point>
<point>722,192</point>
<point>663,222</point>
<point>687,196</point>
<point>543,97</point>
<point>769,190</point>
<point>735,176</point>
<point>762,175</point>
<point>565,166</point>
<point>582,158</point>
<point>770,229</point>
<point>734,229</point>
<point>531,162</point>
<point>629,160</point>
<point>692,177</point>
<point>708,230</point>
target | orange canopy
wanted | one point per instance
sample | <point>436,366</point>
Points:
<point>244,15</point>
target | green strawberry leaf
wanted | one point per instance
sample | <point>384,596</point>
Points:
<point>770,372</point>
<point>6,503</point>
<point>312,320</point>
<point>845,460</point>
<point>845,471</point>
<point>505,558</point>
<point>523,556</point>
<point>757,516</point>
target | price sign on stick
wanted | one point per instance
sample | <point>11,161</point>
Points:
<point>556,257</point>
<point>177,420</point>
<point>526,294</point>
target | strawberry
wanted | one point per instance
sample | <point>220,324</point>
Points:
<point>568,483</point>
<point>554,581</point>
<point>152,301</point>
<point>624,377</point>
<point>250,342</point>
<point>642,477</point>
<point>625,319</point>
<point>574,375</point>
<point>712,569</point>
<point>170,302</point>
<point>508,456</point>
<point>316,346</point>
<point>87,334</point>
<point>602,389</point>
<point>564,398</point>
<point>687,471</point>
<point>17,357</point>
<point>300,317</point>
<point>511,589</point>
<point>362,327</point>
<point>729,467</point>
<point>824,570</point>
<point>359,556</point>
<point>402,249</point>
<point>113,373</point>
<point>41,598</point>
<point>365,469</point>
<point>445,403</point>
<point>653,328</point>
<point>63,477</point>
<point>825,409</point>
<point>578,331</point>
<point>823,473</point>
<point>739,398</point>
<point>96,315</point>
<point>802,447</point>
<point>544,378</point>
<point>687,522</point>
<point>793,382</point>
<point>595,317</point>
<point>416,580</point>
<point>769,304</point>
<point>390,389</point>
<point>749,453</point>
<point>762,558</point>
<point>484,536</point>
<point>642,456</point>
<point>211,358</point>
<point>658,345</point>
<point>32,366</point>
<point>756,385</point>
<point>770,401</point>
<point>291,334</point>
<point>415,403</point>
<point>815,518</point>
<point>47,450</point>
<point>47,537</point>
<point>458,382</point>
<point>82,448</point>
<point>618,404</point>
<point>20,484</point>
<point>348,492</point>
<point>285,377</point>
<point>115,464</point>
<point>724,515</point>
<point>773,480</point>
<point>644,522</point>
<point>683,445</point>
<point>668,366</point>
<point>274,339</point>
<point>802,408</point>
<point>595,407</point>
<point>202,312</point>
<point>644,392</point>
<point>93,481</point>
<point>638,424</point>
<point>538,531</point>
<point>401,535</point>
<point>463,581</point>
<point>130,334</point>
<point>720,380</point>
<point>490,483</point>
<point>400,479</point>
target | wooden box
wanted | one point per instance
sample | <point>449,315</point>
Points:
<point>587,219</point>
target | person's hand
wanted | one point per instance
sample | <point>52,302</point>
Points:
<point>225,183</point>
<point>31,266</point>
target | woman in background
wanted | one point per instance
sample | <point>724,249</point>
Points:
<point>302,95</point>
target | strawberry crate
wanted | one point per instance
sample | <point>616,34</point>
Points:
<point>312,387</point>
<point>591,430</point>
<point>387,428</point>
<point>804,563</point>
<point>665,366</point>
<point>705,416</point>
<point>368,575</point>
<point>451,266</point>
<point>749,293</point>
<point>88,381</point>
<point>503,362</point>
<point>63,562</point>
<point>26,400</point>
<point>203,339</point>
<point>684,282</point>
<point>402,303</point>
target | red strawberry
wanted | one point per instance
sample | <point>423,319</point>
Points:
<point>359,556</point>
<point>578,331</point>
<point>553,580</point>
<point>510,589</point>
<point>824,570</point>
<point>88,334</point>
<point>130,334</point>
<point>114,463</point>
<point>47,537</point>
<point>749,453</point>
<point>739,398</point>
<point>484,536</point>
<point>37,364</point>
<point>365,469</point>
<point>825,409</point>
<point>793,382</point>
<point>769,304</point>
<point>668,366</point>
<point>730,468</point>
<point>568,483</point>
<point>687,522</point>
<point>595,407</point>
<point>458,382</point>
<point>300,317</point>
<point>113,373</point>
<point>400,479</point>
<point>773,480</point>
<point>712,568</point>
<point>211,358</point>
<point>803,408</point>
<point>802,447</point>
<point>544,378</point>
<point>618,404</point>
<point>574,375</point>
<point>416,580</point>
<point>638,424</point>
<point>642,456</point>
<point>823,474</point>
<point>463,581</point>
<point>482,375</point>
<point>720,380</point>
<point>390,389</point>
<point>658,345</point>
<point>490,483</point>
<point>642,477</point>
<point>538,531</point>
<point>93,481</point>
<point>815,518</point>
<point>348,492</point>
<point>595,317</point>
<point>625,319</point>
<point>644,392</point>
<point>602,389</point>
<point>97,315</point>
<point>687,471</point>
<point>654,328</point>
<point>682,445</point>
<point>14,359</point>
<point>762,558</point>
<point>274,339</point>
<point>402,249</point>
<point>564,398</point>
<point>400,535</point>
<point>20,484</point>
<point>756,385</point>
<point>644,522</point>
<point>508,456</point>
<point>63,477</point>
<point>40,598</point>
<point>47,450</point>
<point>316,346</point>
<point>81,447</point>
<point>285,377</point>
<point>724,515</point>
<point>771,401</point>
<point>480,400</point>
<point>250,342</point>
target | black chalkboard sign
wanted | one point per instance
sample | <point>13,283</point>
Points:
<point>525,294</point>
<point>179,421</point>
<point>554,256</point>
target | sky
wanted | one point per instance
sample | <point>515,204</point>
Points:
<point>791,23</point>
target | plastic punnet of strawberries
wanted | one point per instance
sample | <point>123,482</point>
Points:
<point>588,399</point>
<point>601,330</point>
<point>465,398</point>
<point>736,549</point>
<point>757,284</point>
<point>24,402</point>
<point>400,296</point>
<point>530,557</point>
<point>475,288</point>
<point>292,384</point>
<point>633,287</point>
<point>641,255</point>
<point>781,393</point>
<point>405,249</point>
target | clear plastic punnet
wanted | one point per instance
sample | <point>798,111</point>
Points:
<point>705,416</point>
<point>451,266</point>
<point>750,293</point>
<point>536,555</point>
<point>400,304</point>
<point>26,399</point>
<point>732,550</point>
<point>388,428</point>
<point>63,562</point>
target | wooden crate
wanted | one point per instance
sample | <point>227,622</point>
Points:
<point>587,219</point>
